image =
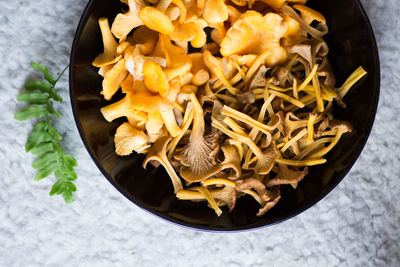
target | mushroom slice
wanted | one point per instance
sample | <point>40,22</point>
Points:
<point>303,50</point>
<point>113,79</point>
<point>144,39</point>
<point>274,196</point>
<point>255,184</point>
<point>124,23</point>
<point>134,62</point>
<point>210,199</point>
<point>215,11</point>
<point>154,126</point>
<point>128,139</point>
<point>269,196</point>
<point>109,56</point>
<point>156,20</point>
<point>291,123</point>
<point>265,160</point>
<point>237,115</point>
<point>325,70</point>
<point>175,55</point>
<point>253,33</point>
<point>158,153</point>
<point>287,176</point>
<point>232,160</point>
<point>216,66</point>
<point>309,14</point>
<point>229,183</point>
<point>274,3</point>
<point>353,78</point>
<point>259,79</point>
<point>226,196</point>
<point>154,78</point>
<point>187,121</point>
<point>341,127</point>
<point>198,165</point>
<point>317,34</point>
<point>199,69</point>
<point>294,33</point>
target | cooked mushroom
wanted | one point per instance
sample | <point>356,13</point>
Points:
<point>269,29</point>
<point>109,56</point>
<point>113,79</point>
<point>228,111</point>
<point>158,153</point>
<point>128,139</point>
<point>287,176</point>
<point>144,39</point>
<point>215,11</point>
<point>265,160</point>
<point>156,20</point>
<point>155,78</point>
<point>198,165</point>
<point>124,23</point>
<point>303,50</point>
<point>259,79</point>
<point>274,196</point>
<point>216,66</point>
<point>341,127</point>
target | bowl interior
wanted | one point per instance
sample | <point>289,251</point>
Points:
<point>351,43</point>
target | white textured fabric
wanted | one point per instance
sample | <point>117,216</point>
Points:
<point>355,225</point>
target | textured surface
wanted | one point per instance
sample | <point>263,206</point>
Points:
<point>355,225</point>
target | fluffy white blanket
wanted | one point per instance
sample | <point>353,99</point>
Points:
<point>355,225</point>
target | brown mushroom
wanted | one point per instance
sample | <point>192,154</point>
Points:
<point>259,79</point>
<point>287,176</point>
<point>265,159</point>
<point>198,165</point>
<point>158,153</point>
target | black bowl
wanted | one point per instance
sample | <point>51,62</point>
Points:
<point>352,43</point>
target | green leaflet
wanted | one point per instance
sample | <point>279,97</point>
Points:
<point>42,148</point>
<point>64,188</point>
<point>45,71</point>
<point>31,112</point>
<point>44,88</point>
<point>38,135</point>
<point>44,139</point>
<point>34,98</point>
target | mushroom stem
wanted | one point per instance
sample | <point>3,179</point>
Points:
<point>228,111</point>
<point>301,163</point>
<point>296,138</point>
<point>158,153</point>
<point>226,182</point>
<point>203,190</point>
<point>325,150</point>
<point>353,78</point>
<point>187,121</point>
<point>265,160</point>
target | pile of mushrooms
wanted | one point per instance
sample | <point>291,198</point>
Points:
<point>242,114</point>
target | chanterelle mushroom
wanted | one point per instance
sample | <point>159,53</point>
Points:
<point>287,176</point>
<point>124,23</point>
<point>253,33</point>
<point>128,139</point>
<point>265,159</point>
<point>158,153</point>
<point>196,156</point>
<point>110,46</point>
